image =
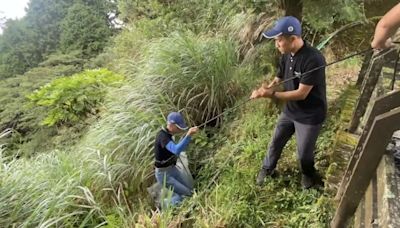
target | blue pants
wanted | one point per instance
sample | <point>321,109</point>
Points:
<point>175,180</point>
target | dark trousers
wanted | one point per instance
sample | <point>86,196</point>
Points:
<point>306,137</point>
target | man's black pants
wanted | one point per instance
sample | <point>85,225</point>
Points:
<point>306,137</point>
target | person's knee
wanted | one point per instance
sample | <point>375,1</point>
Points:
<point>165,180</point>
<point>189,193</point>
<point>178,187</point>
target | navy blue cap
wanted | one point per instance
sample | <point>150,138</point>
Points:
<point>285,26</point>
<point>177,119</point>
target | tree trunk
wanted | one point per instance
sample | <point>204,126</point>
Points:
<point>293,8</point>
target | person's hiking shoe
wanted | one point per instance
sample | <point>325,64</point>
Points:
<point>313,181</point>
<point>306,182</point>
<point>264,173</point>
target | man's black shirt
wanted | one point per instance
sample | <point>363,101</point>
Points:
<point>311,110</point>
<point>163,157</point>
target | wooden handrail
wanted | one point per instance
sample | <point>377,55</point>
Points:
<point>380,105</point>
<point>376,141</point>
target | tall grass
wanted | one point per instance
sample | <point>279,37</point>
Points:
<point>166,79</point>
<point>201,75</point>
<point>103,178</point>
<point>47,191</point>
<point>79,188</point>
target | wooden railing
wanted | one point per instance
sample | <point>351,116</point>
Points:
<point>362,170</point>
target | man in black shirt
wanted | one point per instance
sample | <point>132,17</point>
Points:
<point>166,155</point>
<point>305,97</point>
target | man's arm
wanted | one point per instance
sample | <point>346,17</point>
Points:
<point>258,92</point>
<point>295,95</point>
<point>181,146</point>
<point>274,82</point>
<point>386,28</point>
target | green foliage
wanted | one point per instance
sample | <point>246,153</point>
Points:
<point>84,29</point>
<point>25,42</point>
<point>132,9</point>
<point>44,18</point>
<point>198,16</point>
<point>71,99</point>
<point>333,12</point>
<point>113,222</point>
<point>15,113</point>
<point>201,75</point>
<point>128,47</point>
<point>17,49</point>
<point>47,25</point>
<point>204,18</point>
<point>73,58</point>
<point>100,180</point>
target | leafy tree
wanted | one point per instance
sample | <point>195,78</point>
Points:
<point>45,17</point>
<point>84,29</point>
<point>17,49</point>
<point>15,113</point>
<point>28,41</point>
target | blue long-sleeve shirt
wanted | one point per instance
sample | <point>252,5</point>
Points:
<point>179,147</point>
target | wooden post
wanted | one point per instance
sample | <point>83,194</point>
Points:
<point>395,71</point>
<point>379,136</point>
<point>389,208</point>
<point>380,105</point>
<point>367,89</point>
<point>380,87</point>
<point>364,68</point>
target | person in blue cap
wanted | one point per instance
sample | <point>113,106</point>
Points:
<point>166,155</point>
<point>305,108</point>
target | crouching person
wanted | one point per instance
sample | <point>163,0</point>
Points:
<point>166,155</point>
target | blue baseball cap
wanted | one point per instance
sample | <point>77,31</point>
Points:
<point>285,26</point>
<point>177,119</point>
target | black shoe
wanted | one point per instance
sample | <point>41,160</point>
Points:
<point>264,173</point>
<point>306,182</point>
<point>311,181</point>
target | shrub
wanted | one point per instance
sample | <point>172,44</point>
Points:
<point>71,99</point>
